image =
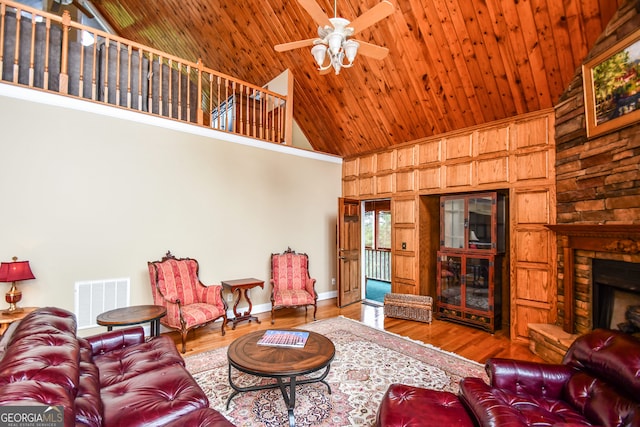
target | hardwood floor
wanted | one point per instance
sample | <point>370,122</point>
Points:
<point>468,342</point>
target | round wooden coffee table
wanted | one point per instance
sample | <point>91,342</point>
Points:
<point>284,364</point>
<point>133,315</point>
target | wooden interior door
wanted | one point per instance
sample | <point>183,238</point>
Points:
<point>348,250</point>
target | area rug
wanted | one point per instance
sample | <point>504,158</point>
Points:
<point>367,361</point>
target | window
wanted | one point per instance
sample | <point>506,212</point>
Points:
<point>377,225</point>
<point>383,235</point>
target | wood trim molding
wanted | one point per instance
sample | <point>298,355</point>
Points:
<point>612,238</point>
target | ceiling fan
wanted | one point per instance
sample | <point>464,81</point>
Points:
<point>334,44</point>
<point>56,5</point>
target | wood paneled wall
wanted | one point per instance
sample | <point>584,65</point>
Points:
<point>516,156</point>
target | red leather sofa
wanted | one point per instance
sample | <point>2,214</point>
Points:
<point>112,379</point>
<point>598,383</point>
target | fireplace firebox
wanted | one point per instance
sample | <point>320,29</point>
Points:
<point>616,288</point>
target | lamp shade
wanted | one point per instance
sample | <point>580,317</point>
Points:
<point>319,51</point>
<point>350,49</point>
<point>15,271</point>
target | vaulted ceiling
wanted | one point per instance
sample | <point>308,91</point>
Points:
<point>452,64</point>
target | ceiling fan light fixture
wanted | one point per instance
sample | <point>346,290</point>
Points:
<point>319,51</point>
<point>335,41</point>
<point>350,50</point>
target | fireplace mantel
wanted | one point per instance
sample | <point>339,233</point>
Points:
<point>621,239</point>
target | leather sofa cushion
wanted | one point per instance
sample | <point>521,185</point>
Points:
<point>122,364</point>
<point>205,417</point>
<point>153,398</point>
<point>495,407</point>
<point>406,406</point>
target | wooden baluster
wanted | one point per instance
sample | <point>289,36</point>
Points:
<point>179,71</point>
<point>150,84</point>
<point>3,13</point>
<point>45,84</point>
<point>105,90</point>
<point>16,56</point>
<point>63,86</point>
<point>140,59</point>
<point>32,54</point>
<point>81,70</point>
<point>117,102</point>
<point>189,93</point>
<point>170,88</point>
<point>129,71</point>
<point>200,115</point>
<point>236,106</point>
<point>94,71</point>
<point>160,87</point>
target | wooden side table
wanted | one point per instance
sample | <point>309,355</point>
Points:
<point>133,315</point>
<point>237,286</point>
<point>6,319</point>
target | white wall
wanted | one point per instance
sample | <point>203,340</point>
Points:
<point>88,196</point>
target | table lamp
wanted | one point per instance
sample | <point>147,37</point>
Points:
<point>14,272</point>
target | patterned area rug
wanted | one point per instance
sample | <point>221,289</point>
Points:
<point>367,361</point>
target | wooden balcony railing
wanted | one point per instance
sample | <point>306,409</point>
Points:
<point>378,264</point>
<point>44,51</point>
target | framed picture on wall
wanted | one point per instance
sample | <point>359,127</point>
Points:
<point>612,87</point>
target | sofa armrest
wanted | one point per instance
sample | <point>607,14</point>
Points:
<point>114,340</point>
<point>487,407</point>
<point>536,379</point>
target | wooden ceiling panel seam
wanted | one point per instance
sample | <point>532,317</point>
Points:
<point>562,41</point>
<point>455,65</point>
<point>512,73</point>
<point>490,100</point>
<point>498,68</point>
<point>393,71</point>
<point>534,53</point>
<point>415,65</point>
<point>521,57</point>
<point>549,84</point>
<point>434,38</point>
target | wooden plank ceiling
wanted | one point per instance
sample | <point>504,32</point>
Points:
<point>452,63</point>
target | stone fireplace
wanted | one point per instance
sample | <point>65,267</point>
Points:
<point>597,203</point>
<point>615,249</point>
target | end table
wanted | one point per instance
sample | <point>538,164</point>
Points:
<point>237,286</point>
<point>6,319</point>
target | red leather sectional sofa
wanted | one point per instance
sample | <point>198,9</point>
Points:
<point>112,379</point>
<point>598,383</point>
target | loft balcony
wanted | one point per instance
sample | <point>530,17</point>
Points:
<point>52,53</point>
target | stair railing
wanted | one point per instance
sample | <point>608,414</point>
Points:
<point>45,51</point>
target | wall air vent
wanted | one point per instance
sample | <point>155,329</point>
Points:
<point>97,296</point>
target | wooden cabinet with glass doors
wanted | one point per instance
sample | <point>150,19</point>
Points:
<point>470,259</point>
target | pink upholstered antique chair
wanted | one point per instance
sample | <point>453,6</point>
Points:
<point>291,285</point>
<point>190,304</point>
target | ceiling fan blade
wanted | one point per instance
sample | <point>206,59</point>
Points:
<point>294,45</point>
<point>83,9</point>
<point>316,12</point>
<point>372,50</point>
<point>371,16</point>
